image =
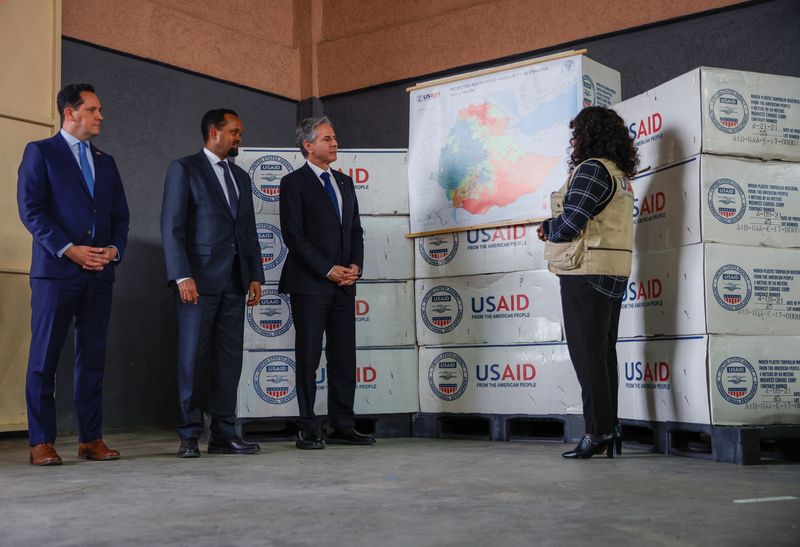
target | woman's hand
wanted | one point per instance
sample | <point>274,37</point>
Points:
<point>540,232</point>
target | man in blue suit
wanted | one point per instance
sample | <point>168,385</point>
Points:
<point>213,258</point>
<point>70,198</point>
<point>322,229</point>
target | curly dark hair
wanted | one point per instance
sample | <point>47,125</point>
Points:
<point>599,132</point>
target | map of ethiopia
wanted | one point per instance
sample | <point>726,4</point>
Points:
<point>482,166</point>
<point>492,148</point>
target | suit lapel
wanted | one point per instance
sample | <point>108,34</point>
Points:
<point>319,191</point>
<point>347,202</point>
<point>244,189</point>
<point>211,178</point>
<point>99,169</point>
<point>63,147</point>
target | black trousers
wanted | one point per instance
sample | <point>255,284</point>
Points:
<point>591,322</point>
<point>210,340</point>
<point>335,315</point>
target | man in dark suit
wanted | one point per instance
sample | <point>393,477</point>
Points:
<point>213,261</point>
<point>70,198</point>
<point>322,230</point>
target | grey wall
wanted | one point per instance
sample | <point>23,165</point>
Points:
<point>761,37</point>
<point>152,115</point>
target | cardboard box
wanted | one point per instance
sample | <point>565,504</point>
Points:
<point>386,383</point>
<point>385,313</point>
<point>269,324</point>
<point>663,379</point>
<point>388,254</point>
<point>754,380</point>
<point>519,307</point>
<point>727,112</point>
<point>380,176</point>
<point>713,288</point>
<point>273,249</point>
<point>482,251</point>
<point>384,317</point>
<point>512,379</point>
<point>720,380</point>
<point>717,199</point>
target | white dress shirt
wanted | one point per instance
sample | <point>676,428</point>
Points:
<point>318,172</point>
<point>214,160</point>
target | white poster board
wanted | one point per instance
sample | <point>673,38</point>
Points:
<point>490,148</point>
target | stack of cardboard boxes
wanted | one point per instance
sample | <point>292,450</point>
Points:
<point>488,313</point>
<point>711,316</point>
<point>386,355</point>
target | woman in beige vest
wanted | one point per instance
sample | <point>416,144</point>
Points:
<point>589,244</point>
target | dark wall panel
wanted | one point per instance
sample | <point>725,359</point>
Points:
<point>761,37</point>
<point>152,115</point>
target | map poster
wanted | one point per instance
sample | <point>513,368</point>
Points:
<point>491,148</point>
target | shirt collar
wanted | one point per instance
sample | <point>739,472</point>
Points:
<point>212,157</point>
<point>318,171</point>
<point>72,140</point>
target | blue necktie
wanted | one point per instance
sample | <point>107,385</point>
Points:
<point>233,200</point>
<point>331,194</point>
<point>87,170</point>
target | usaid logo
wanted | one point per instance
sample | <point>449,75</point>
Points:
<point>732,288</point>
<point>359,175</point>
<point>273,251</point>
<point>647,375</point>
<point>727,201</point>
<point>266,174</point>
<point>438,250</point>
<point>648,205</point>
<point>736,380</point>
<point>427,96</point>
<point>441,309</point>
<point>728,111</point>
<point>272,316</point>
<point>362,310</point>
<point>588,91</point>
<point>447,376</point>
<point>496,235</point>
<point>646,127</point>
<point>273,379</point>
<point>647,289</point>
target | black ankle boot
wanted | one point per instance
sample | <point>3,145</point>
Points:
<point>590,445</point>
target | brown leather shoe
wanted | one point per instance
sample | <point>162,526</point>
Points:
<point>44,454</point>
<point>97,450</point>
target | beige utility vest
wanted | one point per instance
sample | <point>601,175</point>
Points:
<point>605,244</point>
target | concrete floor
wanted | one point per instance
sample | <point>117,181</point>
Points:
<point>401,492</point>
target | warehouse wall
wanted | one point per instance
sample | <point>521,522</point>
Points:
<point>761,37</point>
<point>312,48</point>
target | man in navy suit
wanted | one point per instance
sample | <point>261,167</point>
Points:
<point>213,261</point>
<point>322,230</point>
<point>71,200</point>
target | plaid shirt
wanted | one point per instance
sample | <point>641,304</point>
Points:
<point>590,186</point>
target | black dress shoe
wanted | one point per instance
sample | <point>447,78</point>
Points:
<point>188,449</point>
<point>591,445</point>
<point>349,436</point>
<point>309,440</point>
<point>231,445</point>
